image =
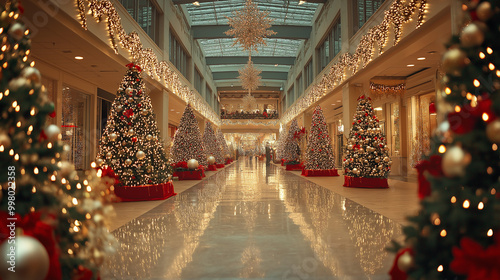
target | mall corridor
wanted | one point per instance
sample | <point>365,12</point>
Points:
<point>253,221</point>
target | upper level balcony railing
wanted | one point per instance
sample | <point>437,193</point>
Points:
<point>266,115</point>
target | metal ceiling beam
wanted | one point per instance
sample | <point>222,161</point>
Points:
<point>265,75</point>
<point>271,60</point>
<point>222,90</point>
<point>204,1</point>
<point>283,31</point>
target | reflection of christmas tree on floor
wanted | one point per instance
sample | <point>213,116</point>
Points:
<point>456,234</point>
<point>131,143</point>
<point>366,163</point>
<point>319,154</point>
<point>56,217</point>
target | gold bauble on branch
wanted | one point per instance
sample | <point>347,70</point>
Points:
<point>149,137</point>
<point>16,31</point>
<point>52,132</point>
<point>472,35</point>
<point>406,261</point>
<point>454,60</point>
<point>493,131</point>
<point>144,112</point>
<point>33,75</point>
<point>140,155</point>
<point>455,160</point>
<point>31,260</point>
<point>211,160</point>
<point>109,155</point>
<point>131,132</point>
<point>484,11</point>
<point>113,137</point>
<point>128,161</point>
<point>5,140</point>
<point>192,164</point>
<point>128,90</point>
<point>119,108</point>
<point>99,162</point>
<point>130,100</point>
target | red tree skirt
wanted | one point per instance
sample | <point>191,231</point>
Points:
<point>175,174</point>
<point>203,173</point>
<point>294,166</point>
<point>220,165</point>
<point>314,173</point>
<point>212,167</point>
<point>228,161</point>
<point>148,192</point>
<point>190,175</point>
<point>282,162</point>
<point>360,182</point>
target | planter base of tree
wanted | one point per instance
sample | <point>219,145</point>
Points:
<point>212,167</point>
<point>319,173</point>
<point>190,175</point>
<point>370,183</point>
<point>148,192</point>
<point>229,161</point>
<point>220,165</point>
<point>291,167</point>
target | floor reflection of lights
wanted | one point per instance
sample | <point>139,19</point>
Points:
<point>253,221</point>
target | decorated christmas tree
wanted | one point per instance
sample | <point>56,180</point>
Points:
<point>291,149</point>
<point>280,146</point>
<point>131,143</point>
<point>188,143</point>
<point>367,163</point>
<point>212,145</point>
<point>320,160</point>
<point>223,144</point>
<point>53,220</point>
<point>456,234</point>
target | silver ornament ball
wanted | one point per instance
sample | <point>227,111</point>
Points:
<point>32,74</point>
<point>455,160</point>
<point>52,132</point>
<point>128,90</point>
<point>140,155</point>
<point>472,36</point>
<point>30,259</point>
<point>211,160</point>
<point>16,31</point>
<point>113,137</point>
<point>492,131</point>
<point>192,164</point>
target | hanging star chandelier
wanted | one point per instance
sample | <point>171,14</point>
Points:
<point>250,26</point>
<point>249,77</point>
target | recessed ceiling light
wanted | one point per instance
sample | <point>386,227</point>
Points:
<point>172,110</point>
<point>333,103</point>
<point>421,58</point>
<point>378,109</point>
<point>79,57</point>
<point>177,112</point>
<point>196,3</point>
<point>410,65</point>
<point>338,100</point>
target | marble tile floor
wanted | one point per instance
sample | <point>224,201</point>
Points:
<point>258,222</point>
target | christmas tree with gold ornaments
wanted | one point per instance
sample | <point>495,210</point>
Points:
<point>53,221</point>
<point>212,146</point>
<point>366,163</point>
<point>226,152</point>
<point>456,234</point>
<point>320,160</point>
<point>291,149</point>
<point>131,144</point>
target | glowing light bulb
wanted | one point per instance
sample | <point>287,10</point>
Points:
<point>476,83</point>
<point>485,117</point>
<point>489,50</point>
<point>453,199</point>
<point>482,55</point>
<point>491,66</point>
<point>480,206</point>
<point>466,204</point>
<point>494,147</point>
<point>442,149</point>
<point>440,268</point>
<point>75,201</point>
<point>443,233</point>
<point>457,109</point>
<point>490,232</point>
<point>447,90</point>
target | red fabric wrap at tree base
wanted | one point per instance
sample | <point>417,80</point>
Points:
<point>294,166</point>
<point>282,162</point>
<point>212,167</point>
<point>315,173</point>
<point>228,161</point>
<point>395,272</point>
<point>148,192</point>
<point>220,165</point>
<point>360,182</point>
<point>190,175</point>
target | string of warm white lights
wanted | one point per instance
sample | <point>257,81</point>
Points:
<point>250,122</point>
<point>380,89</point>
<point>144,57</point>
<point>349,64</point>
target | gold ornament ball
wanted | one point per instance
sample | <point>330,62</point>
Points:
<point>131,131</point>
<point>387,159</point>
<point>5,140</point>
<point>149,137</point>
<point>52,132</point>
<point>192,164</point>
<point>355,170</point>
<point>31,259</point>
<point>144,112</point>
<point>66,168</point>
<point>140,155</point>
<point>349,147</point>
<point>377,159</point>
<point>33,75</point>
<point>492,131</point>
<point>471,36</point>
<point>454,60</point>
<point>113,137</point>
<point>16,31</point>
<point>128,161</point>
<point>109,155</point>
<point>211,160</point>
<point>390,163</point>
<point>128,90</point>
<point>130,100</point>
<point>380,167</point>
<point>484,11</point>
<point>455,160</point>
<point>119,108</point>
<point>406,261</point>
<point>99,162</point>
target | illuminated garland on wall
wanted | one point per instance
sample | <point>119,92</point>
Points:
<point>250,122</point>
<point>144,57</point>
<point>378,90</point>
<point>349,64</point>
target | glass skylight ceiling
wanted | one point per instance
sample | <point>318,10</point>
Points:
<point>275,47</point>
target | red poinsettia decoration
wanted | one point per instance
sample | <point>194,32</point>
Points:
<point>475,261</point>
<point>128,113</point>
<point>132,65</point>
<point>464,121</point>
<point>433,166</point>
<point>300,133</point>
<point>181,164</point>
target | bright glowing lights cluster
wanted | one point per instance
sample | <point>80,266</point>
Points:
<point>144,57</point>
<point>382,90</point>
<point>188,142</point>
<point>251,122</point>
<point>373,42</point>
<point>319,153</point>
<point>366,152</point>
<point>131,143</point>
<point>67,211</point>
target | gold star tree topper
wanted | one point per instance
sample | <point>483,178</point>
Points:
<point>249,77</point>
<point>250,26</point>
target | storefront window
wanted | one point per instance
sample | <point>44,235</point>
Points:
<point>76,126</point>
<point>422,123</point>
<point>50,85</point>
<point>395,128</point>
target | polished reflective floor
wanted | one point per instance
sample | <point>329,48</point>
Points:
<point>255,221</point>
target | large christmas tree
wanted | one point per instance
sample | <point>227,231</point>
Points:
<point>131,143</point>
<point>211,144</point>
<point>319,153</point>
<point>280,146</point>
<point>188,143</point>
<point>366,153</point>
<point>291,149</point>
<point>53,220</point>
<point>456,234</point>
<point>223,144</point>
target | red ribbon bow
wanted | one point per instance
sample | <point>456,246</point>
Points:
<point>132,65</point>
